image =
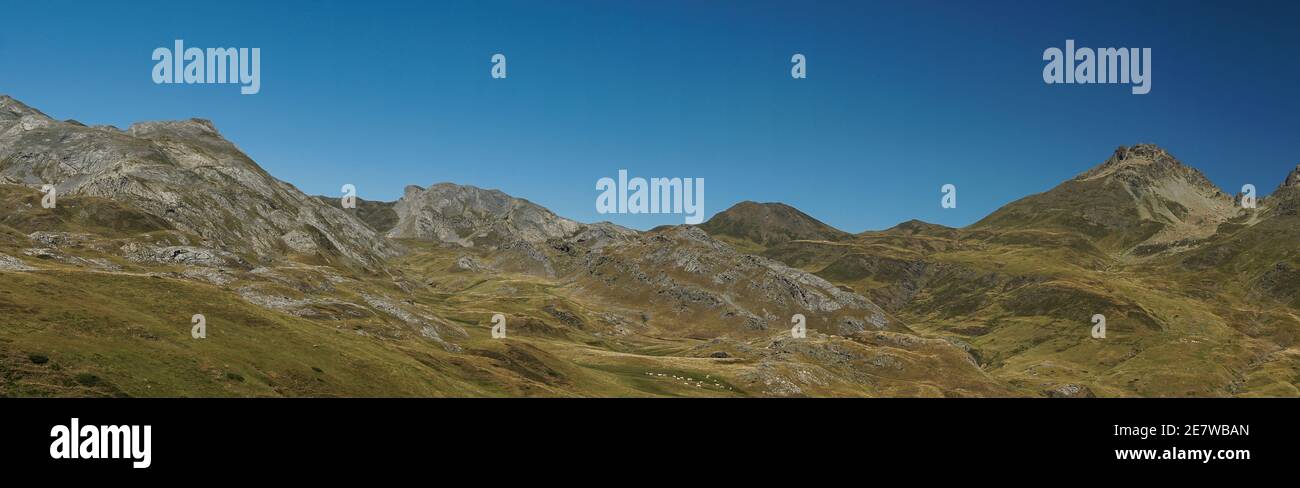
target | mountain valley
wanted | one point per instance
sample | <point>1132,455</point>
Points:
<point>302,297</point>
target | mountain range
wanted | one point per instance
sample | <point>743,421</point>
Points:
<point>302,297</point>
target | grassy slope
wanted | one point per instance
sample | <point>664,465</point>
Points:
<point>73,331</point>
<point>1024,300</point>
<point>133,333</point>
<point>1021,299</point>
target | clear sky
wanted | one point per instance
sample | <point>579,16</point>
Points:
<point>901,97</point>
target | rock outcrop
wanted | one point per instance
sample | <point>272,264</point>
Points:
<point>474,217</point>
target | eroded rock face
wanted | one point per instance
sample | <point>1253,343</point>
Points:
<point>186,173</point>
<point>689,273</point>
<point>474,217</point>
<point>57,239</point>
<point>521,232</point>
<point>1070,390</point>
<point>188,255</point>
<point>10,263</point>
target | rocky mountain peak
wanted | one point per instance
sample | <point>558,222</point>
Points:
<point>1292,179</point>
<point>1142,161</point>
<point>1147,152</point>
<point>1286,198</point>
<point>12,105</point>
<point>17,116</point>
<point>1145,166</point>
<point>469,216</point>
<point>1117,202</point>
<point>187,174</point>
<point>191,127</point>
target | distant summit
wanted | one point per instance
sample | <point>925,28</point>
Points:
<point>920,227</point>
<point>1286,198</point>
<point>472,216</point>
<point>1149,162</point>
<point>768,224</point>
<point>1292,179</point>
<point>1141,195</point>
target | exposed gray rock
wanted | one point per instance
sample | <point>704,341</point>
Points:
<point>51,254</point>
<point>469,263</point>
<point>57,239</point>
<point>428,327</point>
<point>316,308</point>
<point>211,275</point>
<point>850,325</point>
<point>10,263</point>
<point>471,216</point>
<point>42,253</point>
<point>274,302</point>
<point>189,255</point>
<point>771,380</point>
<point>690,270</point>
<point>186,173</point>
<point>1070,390</point>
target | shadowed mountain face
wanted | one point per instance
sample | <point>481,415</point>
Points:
<point>379,216</point>
<point>302,298</point>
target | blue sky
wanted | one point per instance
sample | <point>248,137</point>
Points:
<point>901,97</point>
